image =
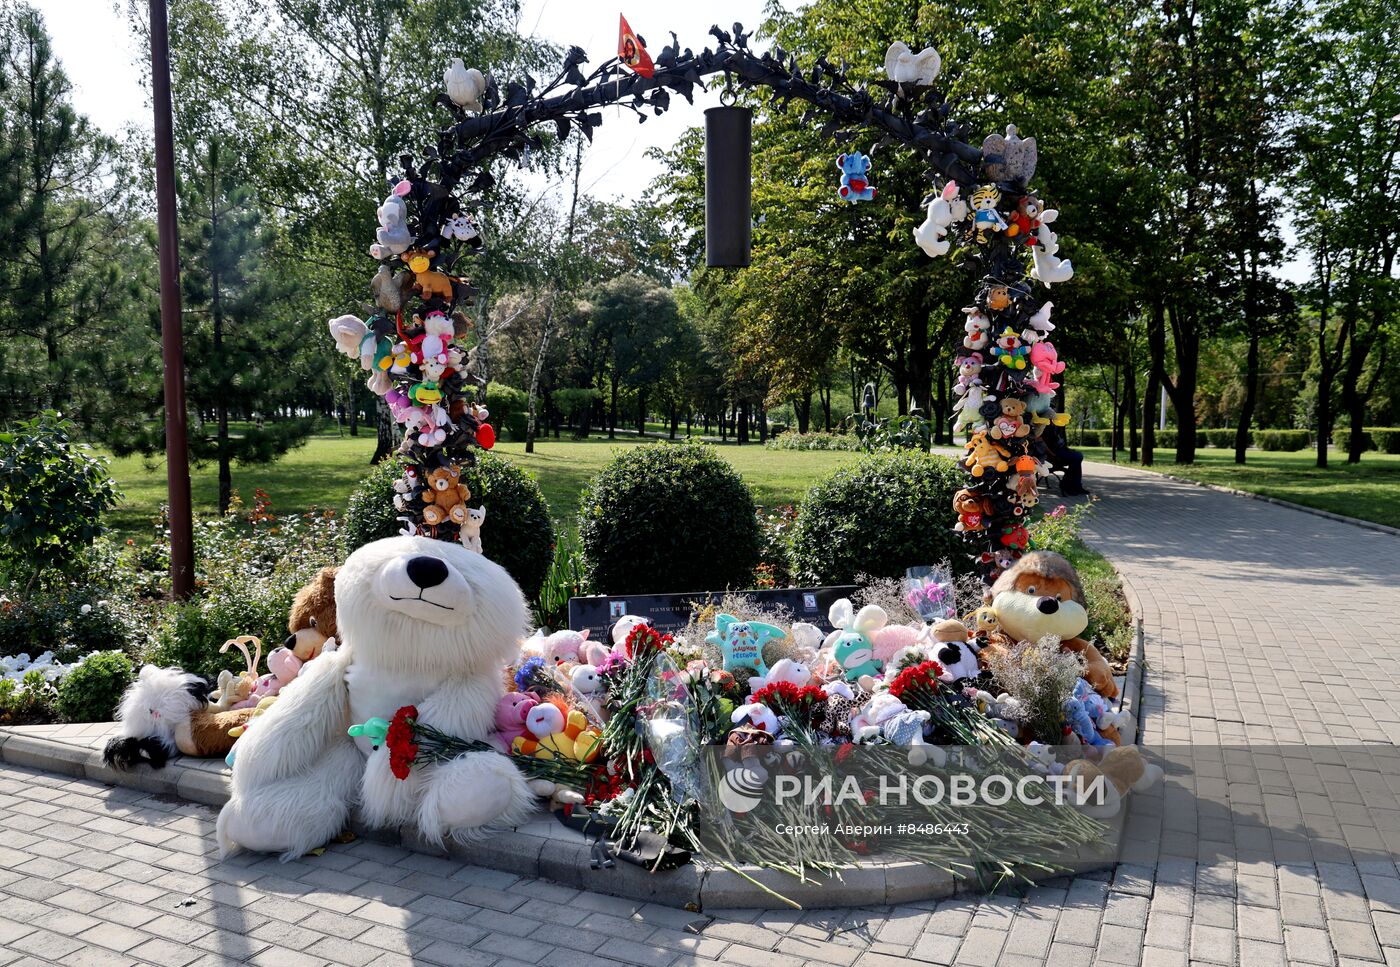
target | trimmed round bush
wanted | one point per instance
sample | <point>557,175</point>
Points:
<point>92,690</point>
<point>518,533</point>
<point>668,518</point>
<point>879,516</point>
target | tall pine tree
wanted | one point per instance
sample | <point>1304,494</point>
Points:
<point>237,313</point>
<point>55,183</point>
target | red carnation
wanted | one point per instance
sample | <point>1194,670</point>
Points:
<point>643,639</point>
<point>399,739</point>
<point>915,678</point>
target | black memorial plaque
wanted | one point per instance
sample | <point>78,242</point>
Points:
<point>672,612</point>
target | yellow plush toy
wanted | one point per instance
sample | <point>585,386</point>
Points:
<point>555,731</point>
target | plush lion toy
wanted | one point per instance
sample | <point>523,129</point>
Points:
<point>1041,595</point>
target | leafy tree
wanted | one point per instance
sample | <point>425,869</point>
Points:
<point>1344,193</point>
<point>319,99</point>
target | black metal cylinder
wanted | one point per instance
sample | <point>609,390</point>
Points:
<point>728,185</point>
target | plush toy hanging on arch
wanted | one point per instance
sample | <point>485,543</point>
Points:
<point>1006,366</point>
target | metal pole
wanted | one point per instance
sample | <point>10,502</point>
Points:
<point>1162,411</point>
<point>177,460</point>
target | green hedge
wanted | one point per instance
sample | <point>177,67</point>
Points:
<point>814,441</point>
<point>509,409</point>
<point>879,516</point>
<point>92,690</point>
<point>518,533</point>
<point>1282,440</point>
<point>668,518</point>
<point>1385,439</point>
<point>1161,439</point>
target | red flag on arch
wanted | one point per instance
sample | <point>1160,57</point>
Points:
<point>630,49</point>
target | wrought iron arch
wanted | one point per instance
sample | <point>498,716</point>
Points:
<point>979,197</point>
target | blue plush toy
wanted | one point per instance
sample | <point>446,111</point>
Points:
<point>854,185</point>
<point>1087,711</point>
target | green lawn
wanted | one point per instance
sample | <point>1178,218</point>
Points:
<point>322,474</point>
<point>324,471</point>
<point>1369,490</point>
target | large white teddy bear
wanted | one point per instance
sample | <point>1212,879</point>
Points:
<point>422,622</point>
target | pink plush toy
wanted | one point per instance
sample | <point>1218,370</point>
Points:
<point>1046,359</point>
<point>511,712</point>
<point>595,653</point>
<point>565,645</point>
<point>891,639</point>
<point>283,667</point>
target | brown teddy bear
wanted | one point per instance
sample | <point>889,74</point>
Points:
<point>312,619</point>
<point>1041,595</point>
<point>1011,424</point>
<point>446,497</point>
<point>1123,770</point>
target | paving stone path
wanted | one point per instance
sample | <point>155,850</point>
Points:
<point>1266,626</point>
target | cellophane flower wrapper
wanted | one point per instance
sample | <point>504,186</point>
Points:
<point>668,721</point>
<point>930,592</point>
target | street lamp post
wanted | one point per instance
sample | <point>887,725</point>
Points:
<point>177,461</point>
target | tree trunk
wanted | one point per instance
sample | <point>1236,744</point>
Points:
<point>920,361</point>
<point>1251,394</point>
<point>1156,351</point>
<point>530,428</point>
<point>940,412</point>
<point>804,411</point>
<point>1130,403</point>
<point>612,410</point>
<point>386,436</point>
<point>762,423</point>
<point>1182,390</point>
<point>352,407</point>
<point>741,420</point>
<point>675,420</point>
<point>642,410</point>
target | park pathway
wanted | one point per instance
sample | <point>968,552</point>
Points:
<point>1265,626</point>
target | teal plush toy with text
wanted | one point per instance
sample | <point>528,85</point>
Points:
<point>741,642</point>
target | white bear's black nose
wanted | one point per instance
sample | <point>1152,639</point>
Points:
<point>426,572</point>
<point>1048,605</point>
